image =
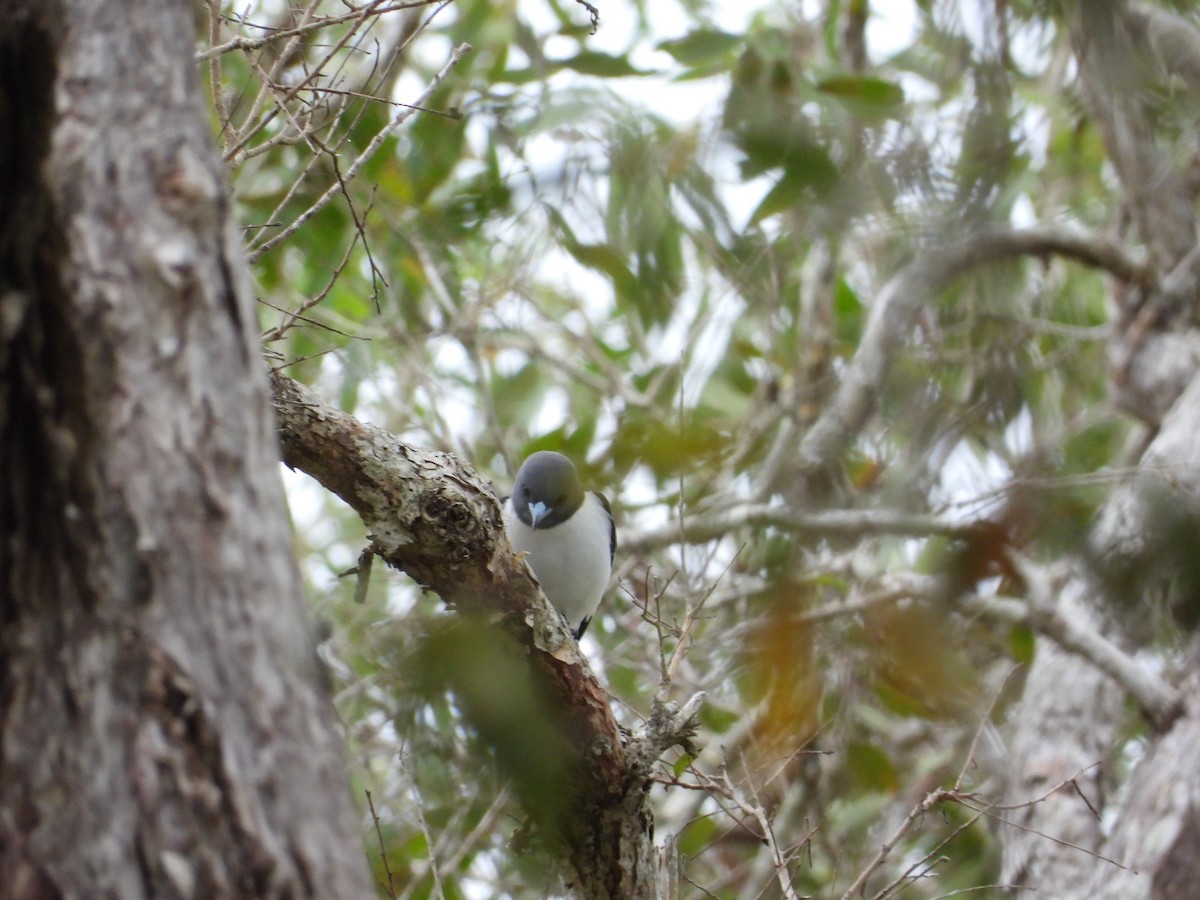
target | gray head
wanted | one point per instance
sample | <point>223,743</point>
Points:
<point>548,490</point>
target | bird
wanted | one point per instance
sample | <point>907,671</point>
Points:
<point>567,534</point>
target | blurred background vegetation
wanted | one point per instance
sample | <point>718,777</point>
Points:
<point>653,243</point>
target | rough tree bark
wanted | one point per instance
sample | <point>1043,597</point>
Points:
<point>164,731</point>
<point>1066,725</point>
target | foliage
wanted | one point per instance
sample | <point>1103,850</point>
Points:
<point>566,249</point>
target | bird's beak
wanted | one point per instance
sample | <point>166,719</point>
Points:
<point>537,512</point>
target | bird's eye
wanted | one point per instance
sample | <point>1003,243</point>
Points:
<point>560,499</point>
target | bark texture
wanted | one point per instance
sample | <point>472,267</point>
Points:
<point>164,731</point>
<point>1070,719</point>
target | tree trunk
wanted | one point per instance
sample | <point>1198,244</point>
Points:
<point>164,730</point>
<point>1067,726</point>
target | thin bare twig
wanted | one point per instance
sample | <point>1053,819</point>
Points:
<point>1062,843</point>
<point>389,885</point>
<point>235,155</point>
<point>723,787</point>
<point>248,43</point>
<point>779,860</point>
<point>932,799</point>
<point>419,809</point>
<point>685,631</point>
<point>253,124</point>
<point>371,149</point>
<point>593,12</point>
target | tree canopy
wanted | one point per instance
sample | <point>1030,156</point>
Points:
<point>877,333</point>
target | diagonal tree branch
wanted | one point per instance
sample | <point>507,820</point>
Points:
<point>1159,701</point>
<point>918,284</point>
<point>1062,686</point>
<point>1118,75</point>
<point>1174,39</point>
<point>835,522</point>
<point>433,517</point>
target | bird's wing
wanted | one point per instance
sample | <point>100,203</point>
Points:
<point>612,526</point>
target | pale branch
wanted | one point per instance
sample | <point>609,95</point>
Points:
<point>839,522</point>
<point>433,517</point>
<point>1099,251</point>
<point>914,816</point>
<point>839,608</point>
<point>368,152</point>
<point>1158,700</point>
<point>1118,77</point>
<point>253,123</point>
<point>215,76</point>
<point>478,836</point>
<point>1178,286</point>
<point>684,634</point>
<point>1175,39</point>
<point>249,43</point>
<point>919,283</point>
<point>933,857</point>
<point>670,725</point>
<point>718,787</point>
<point>236,140</point>
<point>1070,716</point>
<point>609,381</point>
<point>1154,831</point>
<point>418,808</point>
<point>778,859</point>
<point>299,127</point>
<point>291,317</point>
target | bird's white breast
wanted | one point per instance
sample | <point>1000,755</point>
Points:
<point>572,561</point>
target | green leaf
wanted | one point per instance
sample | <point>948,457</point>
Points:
<point>870,769</point>
<point>666,447</point>
<point>802,183</point>
<point>602,65</point>
<point>518,396</point>
<point>1022,642</point>
<point>699,835</point>
<point>681,764</point>
<point>603,258</point>
<point>717,719</point>
<point>848,310</point>
<point>862,92</point>
<point>437,144</point>
<point>702,46</point>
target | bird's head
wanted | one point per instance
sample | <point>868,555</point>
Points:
<point>547,491</point>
